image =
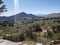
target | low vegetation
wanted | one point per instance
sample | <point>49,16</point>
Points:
<point>42,30</point>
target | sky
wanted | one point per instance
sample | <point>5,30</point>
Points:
<point>32,6</point>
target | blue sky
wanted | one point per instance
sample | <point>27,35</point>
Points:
<point>33,6</point>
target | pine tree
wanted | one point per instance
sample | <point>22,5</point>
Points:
<point>2,7</point>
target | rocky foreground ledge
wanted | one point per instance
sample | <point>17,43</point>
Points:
<point>6,42</point>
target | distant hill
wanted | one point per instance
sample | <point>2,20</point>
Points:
<point>3,18</point>
<point>41,14</point>
<point>53,15</point>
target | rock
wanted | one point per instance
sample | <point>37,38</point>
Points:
<point>25,44</point>
<point>39,44</point>
<point>6,42</point>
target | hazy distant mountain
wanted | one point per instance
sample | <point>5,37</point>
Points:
<point>53,15</point>
<point>3,18</point>
<point>41,14</point>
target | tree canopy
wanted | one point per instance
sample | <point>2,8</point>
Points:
<point>2,7</point>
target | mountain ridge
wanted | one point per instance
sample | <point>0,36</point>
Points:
<point>21,15</point>
<point>24,15</point>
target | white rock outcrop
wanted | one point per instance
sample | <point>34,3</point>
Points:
<point>6,42</point>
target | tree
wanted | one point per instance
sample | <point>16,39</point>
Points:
<point>2,7</point>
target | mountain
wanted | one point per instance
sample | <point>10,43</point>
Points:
<point>24,15</point>
<point>19,16</point>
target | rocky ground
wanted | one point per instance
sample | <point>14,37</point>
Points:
<point>6,42</point>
